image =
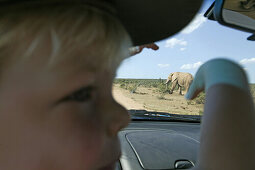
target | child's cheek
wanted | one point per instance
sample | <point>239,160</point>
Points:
<point>82,150</point>
<point>77,143</point>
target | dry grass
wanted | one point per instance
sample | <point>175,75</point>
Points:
<point>152,95</point>
<point>152,100</point>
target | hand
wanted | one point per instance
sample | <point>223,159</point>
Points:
<point>217,71</point>
<point>151,46</point>
<point>138,49</point>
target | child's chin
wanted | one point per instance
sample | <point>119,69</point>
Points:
<point>109,167</point>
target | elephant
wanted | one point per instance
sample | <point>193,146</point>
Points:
<point>181,79</point>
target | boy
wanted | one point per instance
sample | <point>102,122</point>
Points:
<point>56,105</point>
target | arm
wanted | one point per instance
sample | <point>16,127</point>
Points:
<point>227,135</point>
<point>228,124</point>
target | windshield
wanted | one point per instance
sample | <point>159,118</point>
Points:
<point>140,83</point>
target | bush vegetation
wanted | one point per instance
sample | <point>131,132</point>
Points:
<point>200,99</point>
<point>159,84</point>
<point>132,84</point>
<point>132,88</point>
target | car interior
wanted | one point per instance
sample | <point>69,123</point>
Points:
<point>159,145</point>
<point>158,140</point>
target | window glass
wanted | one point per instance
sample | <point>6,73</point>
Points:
<point>140,81</point>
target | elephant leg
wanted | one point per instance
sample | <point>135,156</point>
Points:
<point>186,90</point>
<point>174,83</point>
<point>170,91</point>
<point>180,92</point>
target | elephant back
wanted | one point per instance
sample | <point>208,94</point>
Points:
<point>184,78</point>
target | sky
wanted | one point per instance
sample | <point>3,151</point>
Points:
<point>185,51</point>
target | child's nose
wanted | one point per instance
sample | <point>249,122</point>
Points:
<point>116,118</point>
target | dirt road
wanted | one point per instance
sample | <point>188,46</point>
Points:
<point>128,103</point>
<point>151,100</point>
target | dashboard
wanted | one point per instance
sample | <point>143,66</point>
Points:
<point>159,145</point>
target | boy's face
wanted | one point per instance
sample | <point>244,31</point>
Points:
<point>61,118</point>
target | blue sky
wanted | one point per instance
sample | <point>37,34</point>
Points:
<point>199,42</point>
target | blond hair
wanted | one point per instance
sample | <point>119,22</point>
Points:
<point>68,27</point>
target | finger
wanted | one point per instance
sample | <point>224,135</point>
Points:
<point>155,47</point>
<point>192,89</point>
<point>195,94</point>
<point>152,46</point>
<point>141,47</point>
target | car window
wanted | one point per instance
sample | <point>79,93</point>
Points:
<point>140,83</point>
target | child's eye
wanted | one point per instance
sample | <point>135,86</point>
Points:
<point>81,95</point>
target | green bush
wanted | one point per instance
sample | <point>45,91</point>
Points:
<point>200,99</point>
<point>123,85</point>
<point>162,88</point>
<point>154,85</point>
<point>201,112</point>
<point>252,89</point>
<point>142,82</point>
<point>132,88</point>
<point>189,102</point>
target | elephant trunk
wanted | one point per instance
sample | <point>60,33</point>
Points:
<point>167,81</point>
<point>170,91</point>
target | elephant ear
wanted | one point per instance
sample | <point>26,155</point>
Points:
<point>170,76</point>
<point>174,77</point>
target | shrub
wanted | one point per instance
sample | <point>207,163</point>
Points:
<point>201,112</point>
<point>200,99</point>
<point>132,88</point>
<point>189,102</point>
<point>162,88</point>
<point>154,85</point>
<point>252,89</point>
<point>123,85</point>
